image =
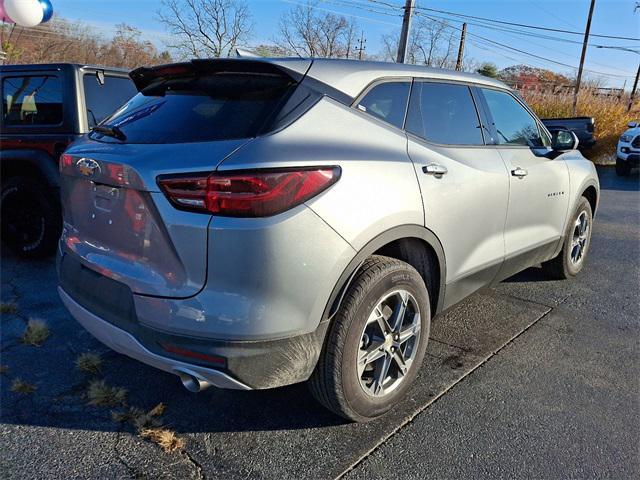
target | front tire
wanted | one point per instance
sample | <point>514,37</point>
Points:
<point>623,169</point>
<point>577,241</point>
<point>376,343</point>
<point>31,220</point>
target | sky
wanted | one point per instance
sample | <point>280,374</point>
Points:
<point>611,17</point>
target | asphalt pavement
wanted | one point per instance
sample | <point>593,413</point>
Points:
<point>531,379</point>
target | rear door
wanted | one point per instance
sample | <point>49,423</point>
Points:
<point>464,183</point>
<point>539,186</point>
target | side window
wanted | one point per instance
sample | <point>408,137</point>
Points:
<point>32,100</point>
<point>103,100</point>
<point>444,113</point>
<point>514,125</point>
<point>387,101</point>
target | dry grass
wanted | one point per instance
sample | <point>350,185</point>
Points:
<point>100,394</point>
<point>610,114</point>
<point>36,333</point>
<point>4,369</point>
<point>167,439</point>
<point>89,362</point>
<point>8,307</point>
<point>149,426</point>
<point>140,419</point>
<point>23,388</point>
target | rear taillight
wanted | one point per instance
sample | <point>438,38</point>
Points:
<point>258,193</point>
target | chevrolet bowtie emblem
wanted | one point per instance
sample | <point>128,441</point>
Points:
<point>87,167</point>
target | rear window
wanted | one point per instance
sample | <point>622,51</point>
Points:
<point>221,106</point>
<point>103,100</point>
<point>32,100</point>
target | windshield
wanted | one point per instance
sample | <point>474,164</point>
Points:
<point>221,106</point>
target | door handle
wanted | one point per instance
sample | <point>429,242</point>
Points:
<point>434,169</point>
<point>519,172</point>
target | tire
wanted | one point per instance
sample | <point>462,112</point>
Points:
<point>623,169</point>
<point>339,382</point>
<point>30,220</point>
<point>563,266</point>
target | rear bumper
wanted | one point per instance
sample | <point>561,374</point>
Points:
<point>123,342</point>
<point>246,365</point>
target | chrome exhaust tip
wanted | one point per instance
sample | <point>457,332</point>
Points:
<point>192,382</point>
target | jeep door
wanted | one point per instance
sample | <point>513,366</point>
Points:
<point>539,186</point>
<point>464,183</point>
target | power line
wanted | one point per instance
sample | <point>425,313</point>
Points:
<point>523,25</point>
<point>522,51</point>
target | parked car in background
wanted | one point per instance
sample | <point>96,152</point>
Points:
<point>583,127</point>
<point>628,151</point>
<point>252,223</point>
<point>44,108</point>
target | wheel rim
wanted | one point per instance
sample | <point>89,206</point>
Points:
<point>388,343</point>
<point>580,238</point>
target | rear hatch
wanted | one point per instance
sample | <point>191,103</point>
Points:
<point>187,118</point>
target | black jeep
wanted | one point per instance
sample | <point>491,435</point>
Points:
<point>44,108</point>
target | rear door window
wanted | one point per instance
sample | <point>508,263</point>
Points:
<point>513,124</point>
<point>444,113</point>
<point>221,106</point>
<point>32,100</point>
<point>102,100</point>
<point>387,101</point>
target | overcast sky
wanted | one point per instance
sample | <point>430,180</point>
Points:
<point>611,17</point>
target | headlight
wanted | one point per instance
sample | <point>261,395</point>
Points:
<point>625,138</point>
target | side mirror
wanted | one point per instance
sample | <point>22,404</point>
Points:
<point>632,124</point>
<point>563,140</point>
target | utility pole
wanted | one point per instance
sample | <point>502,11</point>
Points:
<point>404,33</point>
<point>584,54</point>
<point>461,48</point>
<point>362,47</point>
<point>633,90</point>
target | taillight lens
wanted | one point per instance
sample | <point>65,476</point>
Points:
<point>260,193</point>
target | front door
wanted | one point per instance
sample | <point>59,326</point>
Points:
<point>539,185</point>
<point>464,183</point>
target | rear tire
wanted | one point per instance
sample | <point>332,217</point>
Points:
<point>575,247</point>
<point>623,169</point>
<point>30,217</point>
<point>363,371</point>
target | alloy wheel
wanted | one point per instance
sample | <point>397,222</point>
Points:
<point>389,343</point>
<point>580,238</point>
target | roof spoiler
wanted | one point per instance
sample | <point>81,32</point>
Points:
<point>144,76</point>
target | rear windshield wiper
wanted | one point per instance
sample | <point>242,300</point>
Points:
<point>111,131</point>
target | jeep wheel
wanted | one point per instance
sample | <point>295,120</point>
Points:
<point>376,343</point>
<point>31,222</point>
<point>577,241</point>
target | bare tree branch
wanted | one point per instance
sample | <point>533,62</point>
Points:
<point>306,32</point>
<point>206,28</point>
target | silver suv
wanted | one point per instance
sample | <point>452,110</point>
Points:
<point>252,223</point>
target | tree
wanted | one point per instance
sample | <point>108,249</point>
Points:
<point>305,32</point>
<point>63,41</point>
<point>488,70</point>
<point>431,43</point>
<point>207,28</point>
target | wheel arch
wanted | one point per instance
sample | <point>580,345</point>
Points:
<point>413,244</point>
<point>591,194</point>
